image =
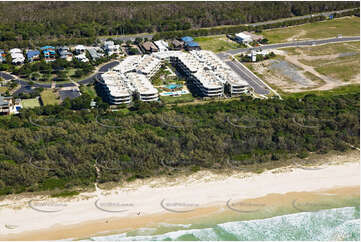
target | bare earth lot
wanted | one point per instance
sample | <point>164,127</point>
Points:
<point>312,68</point>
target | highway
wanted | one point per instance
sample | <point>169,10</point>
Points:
<point>326,14</point>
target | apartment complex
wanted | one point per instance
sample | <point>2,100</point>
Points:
<point>208,74</point>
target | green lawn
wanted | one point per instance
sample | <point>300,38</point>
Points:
<point>48,97</point>
<point>88,90</point>
<point>3,89</point>
<point>347,26</point>
<point>328,49</point>
<point>180,99</point>
<point>216,43</point>
<point>30,103</point>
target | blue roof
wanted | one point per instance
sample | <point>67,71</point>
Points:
<point>187,39</point>
<point>49,51</point>
<point>32,53</point>
<point>192,44</point>
<point>47,47</point>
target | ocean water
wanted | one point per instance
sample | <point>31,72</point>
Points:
<point>329,224</point>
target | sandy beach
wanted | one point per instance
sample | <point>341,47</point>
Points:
<point>143,203</point>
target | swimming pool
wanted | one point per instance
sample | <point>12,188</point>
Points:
<point>174,93</point>
<point>173,86</point>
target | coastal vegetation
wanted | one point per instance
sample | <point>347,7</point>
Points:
<point>26,24</point>
<point>56,148</point>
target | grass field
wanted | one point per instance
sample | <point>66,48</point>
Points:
<point>339,61</point>
<point>347,26</point>
<point>180,99</point>
<point>48,97</point>
<point>341,68</point>
<point>3,89</point>
<point>216,43</point>
<point>329,49</point>
<point>88,90</point>
<point>30,103</point>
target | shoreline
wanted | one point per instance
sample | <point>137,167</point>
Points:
<point>144,205</point>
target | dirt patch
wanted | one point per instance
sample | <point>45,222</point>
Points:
<point>295,71</point>
<point>297,36</point>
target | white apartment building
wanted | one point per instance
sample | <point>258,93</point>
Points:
<point>149,66</point>
<point>115,88</point>
<point>209,73</point>
<point>141,86</point>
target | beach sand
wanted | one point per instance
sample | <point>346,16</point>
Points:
<point>153,201</point>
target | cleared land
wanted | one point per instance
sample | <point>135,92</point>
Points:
<point>30,103</point>
<point>217,43</point>
<point>311,68</point>
<point>347,26</point>
<point>48,97</point>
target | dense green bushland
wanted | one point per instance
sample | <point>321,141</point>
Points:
<point>26,23</point>
<point>54,147</point>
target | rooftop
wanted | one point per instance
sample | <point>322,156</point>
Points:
<point>187,39</point>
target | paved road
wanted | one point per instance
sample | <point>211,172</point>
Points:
<point>255,82</point>
<point>326,14</point>
<point>104,68</point>
<point>246,74</point>
<point>25,87</point>
<point>131,38</point>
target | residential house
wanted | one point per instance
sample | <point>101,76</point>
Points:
<point>2,56</point>
<point>7,106</point>
<point>148,47</point>
<point>49,53</point>
<point>80,49</point>
<point>186,39</point>
<point>17,56</point>
<point>65,53</point>
<point>176,45</point>
<point>162,45</point>
<point>95,53</point>
<point>32,55</point>
<point>192,46</point>
<point>189,44</point>
<point>82,57</point>
<point>110,48</point>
